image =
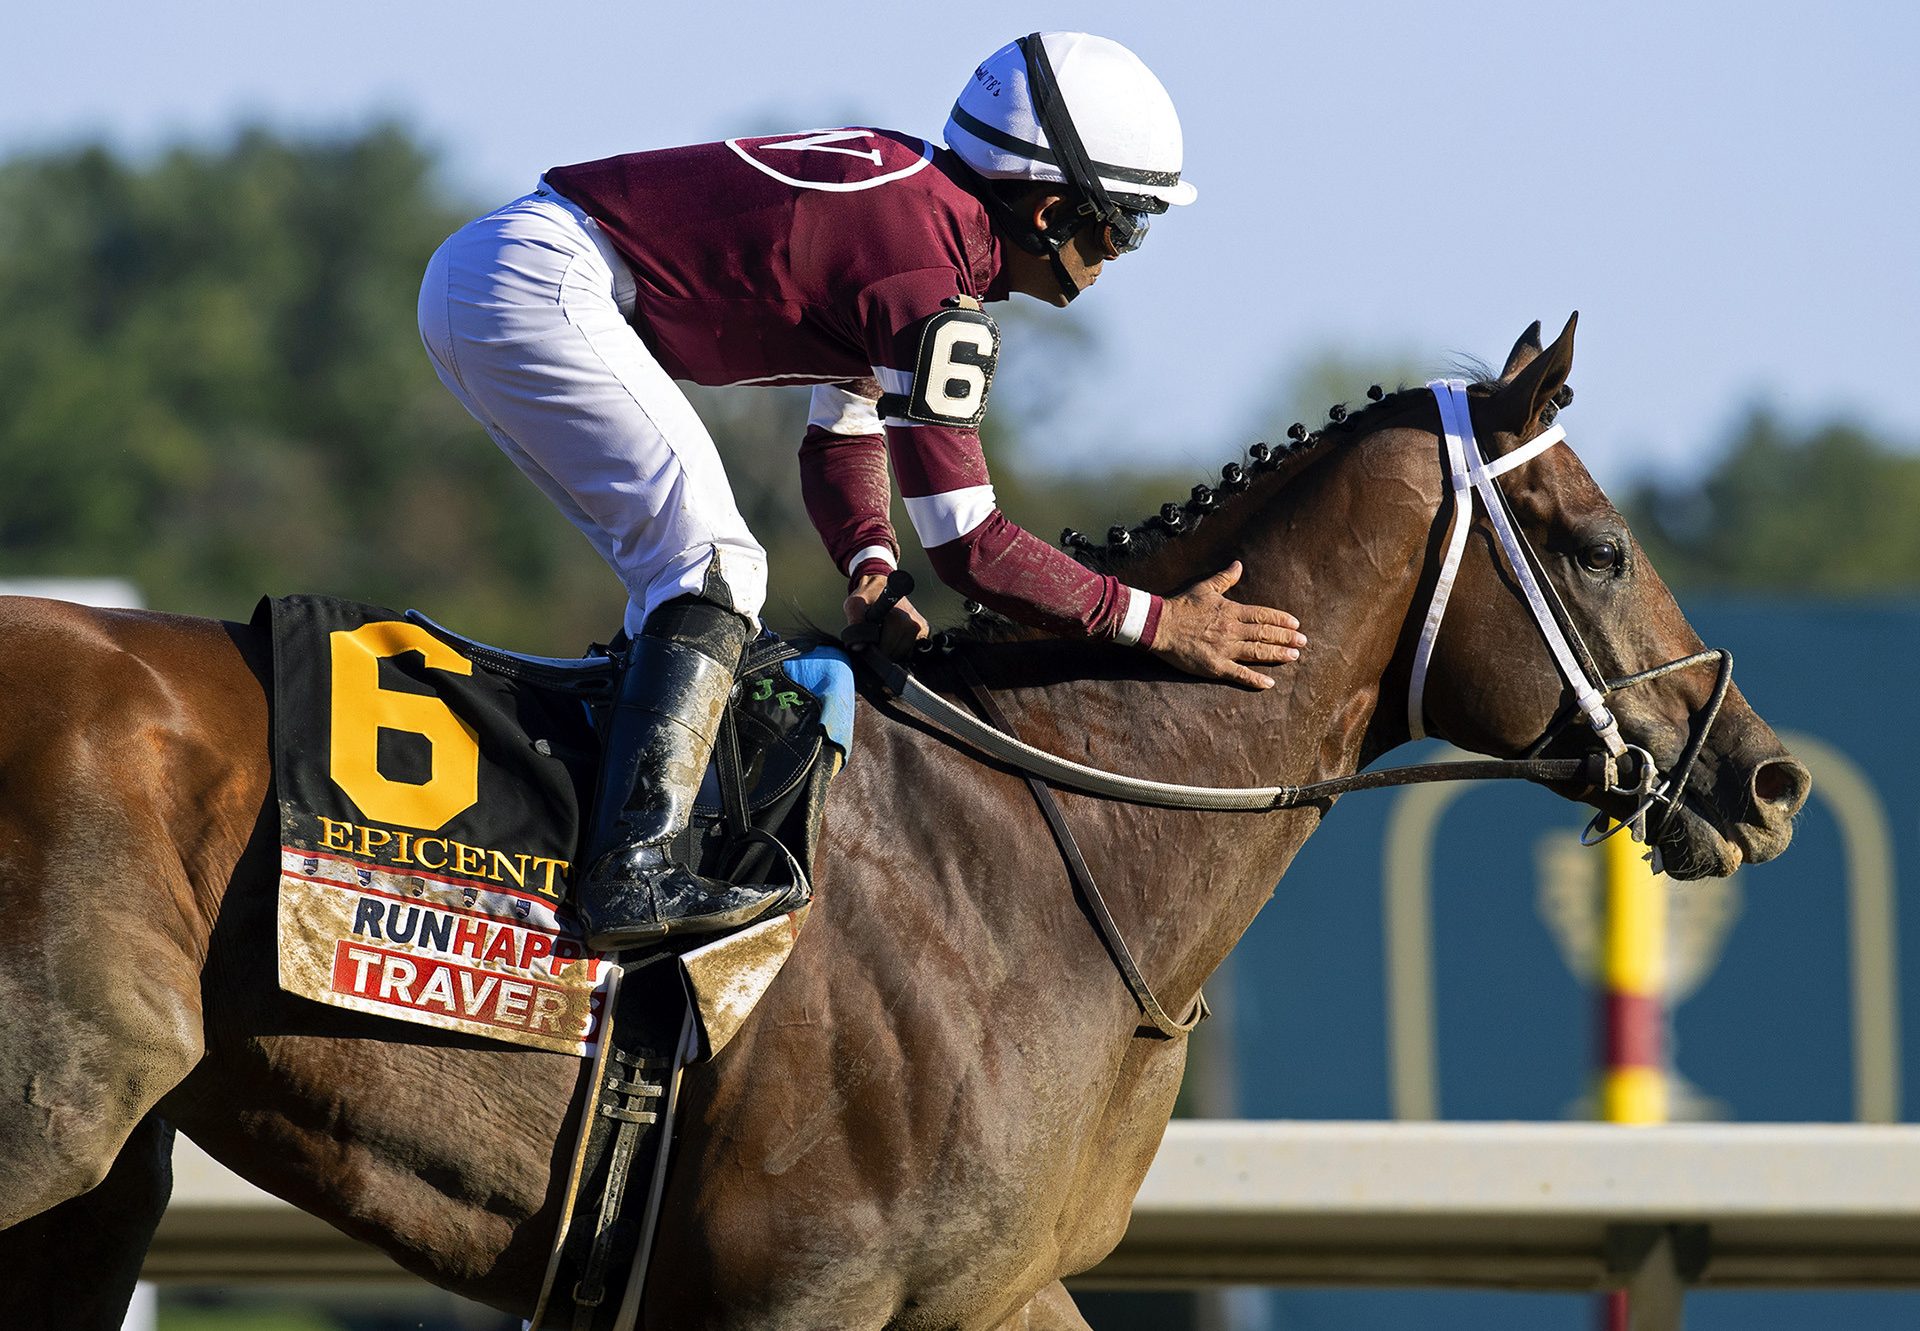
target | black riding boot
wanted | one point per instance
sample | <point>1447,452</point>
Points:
<point>672,696</point>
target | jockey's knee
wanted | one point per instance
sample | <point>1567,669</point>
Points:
<point>732,576</point>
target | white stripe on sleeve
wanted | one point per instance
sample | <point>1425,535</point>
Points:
<point>837,411</point>
<point>952,514</point>
<point>1134,622</point>
<point>867,552</point>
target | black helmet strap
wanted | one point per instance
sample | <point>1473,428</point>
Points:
<point>1043,89</point>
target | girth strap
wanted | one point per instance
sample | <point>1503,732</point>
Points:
<point>1083,880</point>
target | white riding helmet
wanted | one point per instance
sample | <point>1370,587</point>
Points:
<point>1123,116</point>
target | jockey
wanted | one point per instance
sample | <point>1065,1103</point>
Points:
<point>856,260</point>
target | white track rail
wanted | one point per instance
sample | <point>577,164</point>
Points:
<point>1523,1205</point>
<point>1506,1205</point>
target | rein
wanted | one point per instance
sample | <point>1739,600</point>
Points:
<point>1596,769</point>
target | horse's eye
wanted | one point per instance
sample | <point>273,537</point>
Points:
<point>1600,556</point>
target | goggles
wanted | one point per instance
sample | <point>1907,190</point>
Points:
<point>1121,233</point>
<point>1127,232</point>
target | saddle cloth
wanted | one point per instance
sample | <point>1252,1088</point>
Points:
<point>431,792</point>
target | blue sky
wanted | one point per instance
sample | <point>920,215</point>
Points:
<point>1725,191</point>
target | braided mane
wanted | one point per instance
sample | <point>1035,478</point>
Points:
<point>1266,467</point>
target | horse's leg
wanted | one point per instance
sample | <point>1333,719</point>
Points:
<point>74,1268</point>
<point>1050,1310</point>
<point>113,787</point>
<point>92,1040</point>
<point>98,1020</point>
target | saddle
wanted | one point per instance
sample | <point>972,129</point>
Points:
<point>431,790</point>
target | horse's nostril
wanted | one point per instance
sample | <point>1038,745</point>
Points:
<point>1781,785</point>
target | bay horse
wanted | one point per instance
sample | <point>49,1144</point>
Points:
<point>946,1102</point>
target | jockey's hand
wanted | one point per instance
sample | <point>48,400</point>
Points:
<point>903,627</point>
<point>1205,634</point>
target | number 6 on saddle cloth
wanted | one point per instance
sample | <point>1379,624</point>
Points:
<point>431,791</point>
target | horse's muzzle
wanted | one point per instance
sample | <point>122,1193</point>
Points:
<point>1740,814</point>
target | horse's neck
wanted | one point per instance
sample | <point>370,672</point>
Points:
<point>1186,885</point>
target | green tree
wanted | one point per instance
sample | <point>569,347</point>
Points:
<point>1828,510</point>
<point>215,388</point>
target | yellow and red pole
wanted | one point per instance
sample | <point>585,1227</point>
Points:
<point>1633,1073</point>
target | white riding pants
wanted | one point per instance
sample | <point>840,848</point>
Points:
<point>525,315</point>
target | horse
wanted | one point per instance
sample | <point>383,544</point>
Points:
<point>947,1100</point>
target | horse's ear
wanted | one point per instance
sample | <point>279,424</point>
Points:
<point>1523,352</point>
<point>1519,401</point>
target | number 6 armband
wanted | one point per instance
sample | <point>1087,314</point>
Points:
<point>951,375</point>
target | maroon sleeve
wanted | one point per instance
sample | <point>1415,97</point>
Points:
<point>1009,569</point>
<point>843,482</point>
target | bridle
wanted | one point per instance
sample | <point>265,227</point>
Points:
<point>1614,767</point>
<point>1470,474</point>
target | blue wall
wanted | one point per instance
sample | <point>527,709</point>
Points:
<point>1768,1033</point>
